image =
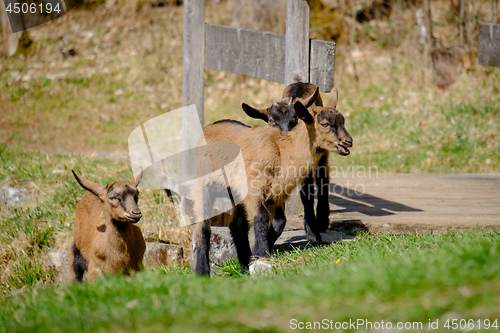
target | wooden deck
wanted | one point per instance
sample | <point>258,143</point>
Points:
<point>414,202</point>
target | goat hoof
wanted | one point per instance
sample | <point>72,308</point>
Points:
<point>244,269</point>
<point>323,226</point>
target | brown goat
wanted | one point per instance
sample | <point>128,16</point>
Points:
<point>105,235</point>
<point>275,162</point>
<point>278,116</point>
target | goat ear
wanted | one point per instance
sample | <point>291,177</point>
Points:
<point>334,97</point>
<point>255,113</point>
<point>137,177</point>
<point>312,98</point>
<point>302,113</point>
<point>97,189</point>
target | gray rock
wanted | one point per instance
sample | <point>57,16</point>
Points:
<point>162,254</point>
<point>59,261</point>
<point>156,254</point>
<point>11,196</point>
<point>222,248</point>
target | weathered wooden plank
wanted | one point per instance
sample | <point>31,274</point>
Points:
<point>193,63</point>
<point>489,44</point>
<point>245,52</point>
<point>322,64</point>
<point>297,40</point>
<point>420,201</point>
<point>262,55</point>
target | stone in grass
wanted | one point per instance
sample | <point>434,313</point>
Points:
<point>59,261</point>
<point>222,248</point>
<point>156,254</point>
<point>260,267</point>
<point>11,196</point>
<point>161,253</point>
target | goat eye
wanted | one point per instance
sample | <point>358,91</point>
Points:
<point>325,125</point>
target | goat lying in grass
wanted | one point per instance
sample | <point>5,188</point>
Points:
<point>105,235</point>
<point>275,162</point>
<point>280,117</point>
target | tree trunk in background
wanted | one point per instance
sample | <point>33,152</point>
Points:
<point>263,15</point>
<point>428,18</point>
<point>9,39</point>
<point>461,23</point>
<point>495,14</point>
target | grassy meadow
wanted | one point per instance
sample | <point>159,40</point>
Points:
<point>60,113</point>
<point>412,278</point>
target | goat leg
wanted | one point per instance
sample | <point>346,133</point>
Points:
<point>307,197</point>
<point>239,232</point>
<point>202,247</point>
<point>277,226</point>
<point>323,206</point>
<point>203,232</point>
<point>261,228</point>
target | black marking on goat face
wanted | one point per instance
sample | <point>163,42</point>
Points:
<point>331,121</point>
<point>123,198</point>
<point>283,116</point>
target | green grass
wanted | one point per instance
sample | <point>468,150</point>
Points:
<point>392,278</point>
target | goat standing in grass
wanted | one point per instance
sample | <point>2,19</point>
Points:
<point>106,237</point>
<point>280,117</point>
<point>275,162</point>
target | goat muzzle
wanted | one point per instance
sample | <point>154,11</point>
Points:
<point>342,150</point>
<point>133,217</point>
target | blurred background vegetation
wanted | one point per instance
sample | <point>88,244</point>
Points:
<point>414,97</point>
<point>407,72</point>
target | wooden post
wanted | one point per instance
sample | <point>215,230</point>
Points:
<point>193,55</point>
<point>489,44</point>
<point>193,63</point>
<point>297,40</point>
<point>429,46</point>
<point>296,63</point>
<point>461,22</point>
<point>10,40</point>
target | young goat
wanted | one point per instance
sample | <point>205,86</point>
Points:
<point>275,162</point>
<point>279,117</point>
<point>105,235</point>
